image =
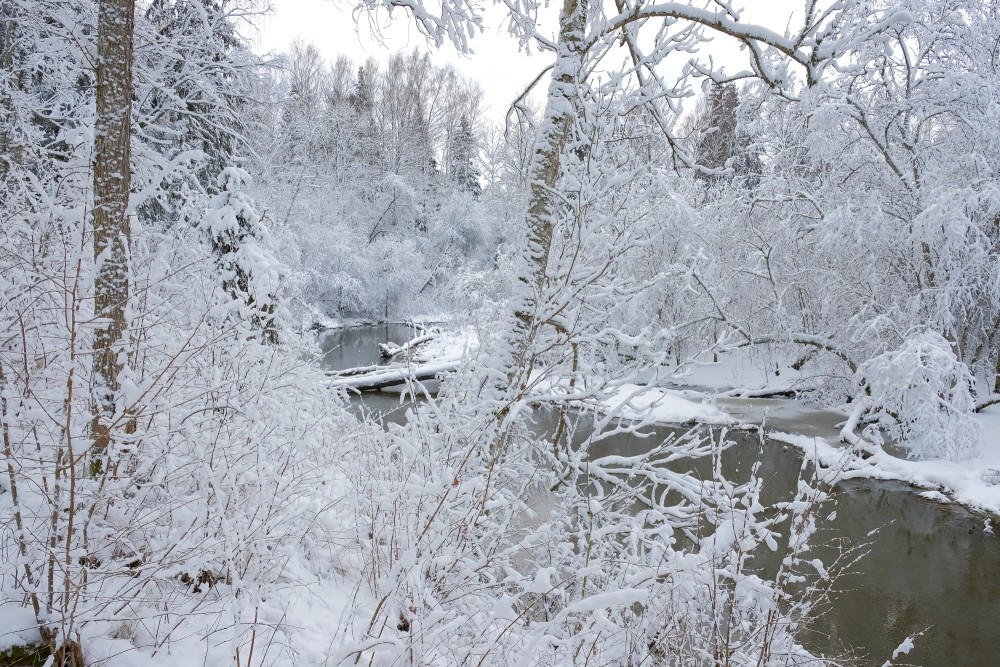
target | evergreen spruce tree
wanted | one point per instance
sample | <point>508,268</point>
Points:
<point>249,272</point>
<point>464,170</point>
<point>723,144</point>
<point>190,92</point>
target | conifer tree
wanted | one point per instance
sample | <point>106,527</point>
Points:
<point>719,139</point>
<point>250,274</point>
<point>464,170</point>
<point>722,143</point>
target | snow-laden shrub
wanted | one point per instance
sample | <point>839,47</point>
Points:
<point>482,546</point>
<point>250,273</point>
<point>923,395</point>
<point>212,491</point>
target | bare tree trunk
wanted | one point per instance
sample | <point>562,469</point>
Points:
<point>8,32</point>
<point>544,202</point>
<point>996,377</point>
<point>112,183</point>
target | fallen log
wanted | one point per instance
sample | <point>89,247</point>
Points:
<point>391,350</point>
<point>759,393</point>
<point>359,370</point>
<point>387,376</point>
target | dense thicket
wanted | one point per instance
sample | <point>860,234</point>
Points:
<point>186,485</point>
<point>138,468</point>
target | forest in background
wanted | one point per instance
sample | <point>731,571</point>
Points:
<point>177,476</point>
<point>854,226</point>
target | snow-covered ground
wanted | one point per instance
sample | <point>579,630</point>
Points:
<point>762,368</point>
<point>448,345</point>
<point>18,627</point>
<point>319,322</point>
<point>974,482</point>
<point>662,406</point>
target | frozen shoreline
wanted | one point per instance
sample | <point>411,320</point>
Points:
<point>973,483</point>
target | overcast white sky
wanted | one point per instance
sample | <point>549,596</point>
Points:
<point>496,64</point>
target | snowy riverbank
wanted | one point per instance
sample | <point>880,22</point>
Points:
<point>722,393</point>
<point>974,482</point>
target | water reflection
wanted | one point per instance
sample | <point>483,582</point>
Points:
<point>929,567</point>
<point>358,346</point>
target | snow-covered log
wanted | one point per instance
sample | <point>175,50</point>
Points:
<point>391,350</point>
<point>386,376</point>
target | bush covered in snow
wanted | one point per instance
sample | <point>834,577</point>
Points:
<point>921,394</point>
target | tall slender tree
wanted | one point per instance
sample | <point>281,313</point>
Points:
<point>112,176</point>
<point>464,170</point>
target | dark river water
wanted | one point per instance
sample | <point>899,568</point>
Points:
<point>929,567</point>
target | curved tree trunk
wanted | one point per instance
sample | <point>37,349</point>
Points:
<point>544,202</point>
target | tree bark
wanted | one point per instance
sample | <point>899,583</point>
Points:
<point>112,183</point>
<point>544,202</point>
<point>9,154</point>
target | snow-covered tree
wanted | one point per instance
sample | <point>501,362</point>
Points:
<point>921,395</point>
<point>464,169</point>
<point>251,275</point>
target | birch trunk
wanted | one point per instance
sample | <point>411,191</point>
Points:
<point>544,202</point>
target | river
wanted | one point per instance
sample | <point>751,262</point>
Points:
<point>929,567</point>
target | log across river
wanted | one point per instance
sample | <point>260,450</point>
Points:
<point>375,378</point>
<point>929,566</point>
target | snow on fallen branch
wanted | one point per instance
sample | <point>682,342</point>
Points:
<point>780,392</point>
<point>391,350</point>
<point>387,376</point>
